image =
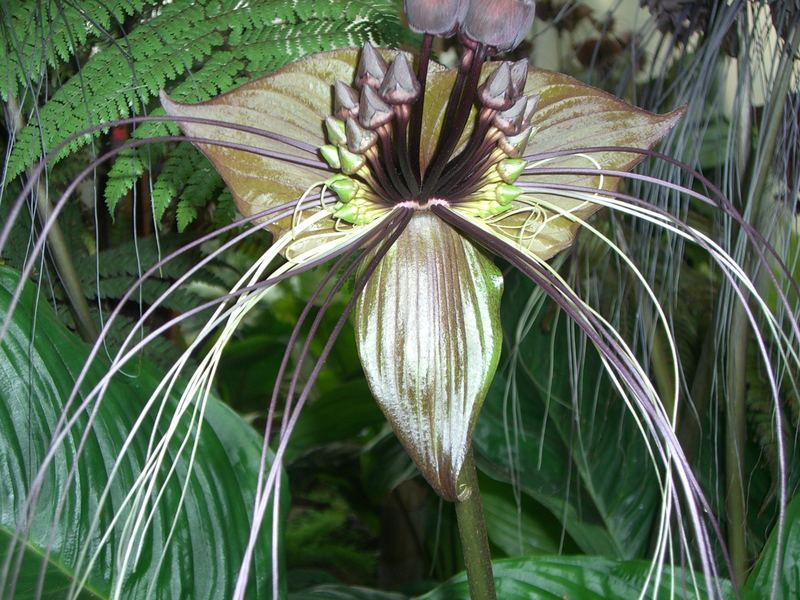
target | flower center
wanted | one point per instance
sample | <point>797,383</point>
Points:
<point>375,132</point>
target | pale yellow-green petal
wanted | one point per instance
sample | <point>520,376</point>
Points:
<point>429,338</point>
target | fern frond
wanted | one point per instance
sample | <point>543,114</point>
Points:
<point>199,46</point>
<point>131,259</point>
<point>176,170</point>
<point>119,79</point>
<point>202,187</point>
<point>38,35</point>
<point>123,174</point>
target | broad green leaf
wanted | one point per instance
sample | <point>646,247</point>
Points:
<point>787,585</point>
<point>39,361</point>
<point>428,334</point>
<point>517,531</point>
<point>576,578</point>
<point>562,453</point>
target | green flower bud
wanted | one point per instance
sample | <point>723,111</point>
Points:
<point>330,154</point>
<point>510,169</point>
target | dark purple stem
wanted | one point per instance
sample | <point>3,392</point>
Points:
<point>452,134</point>
<point>418,110</point>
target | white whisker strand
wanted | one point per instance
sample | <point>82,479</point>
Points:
<point>630,372</point>
<point>664,486</point>
<point>396,224</point>
<point>287,354</point>
<point>663,532</point>
<point>633,207</point>
<point>734,273</point>
<point>198,388</point>
<point>60,430</point>
<point>759,243</point>
<point>56,441</point>
<point>52,217</point>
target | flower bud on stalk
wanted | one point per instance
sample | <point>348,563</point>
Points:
<point>501,24</point>
<point>496,92</point>
<point>373,111</point>
<point>400,85</point>
<point>345,100</point>
<point>437,17</point>
<point>359,140</point>
<point>510,121</point>
<point>371,68</point>
<point>519,75</point>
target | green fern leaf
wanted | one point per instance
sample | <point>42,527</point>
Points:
<point>127,168</point>
<point>176,170</point>
<point>202,49</point>
<point>119,79</point>
<point>202,187</point>
<point>224,209</point>
<point>39,34</point>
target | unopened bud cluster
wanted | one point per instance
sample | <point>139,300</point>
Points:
<point>498,24</point>
<point>505,115</point>
<point>363,131</point>
<point>364,116</point>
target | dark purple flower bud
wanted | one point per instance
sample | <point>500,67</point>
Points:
<point>502,24</point>
<point>496,92</point>
<point>510,121</point>
<point>400,86</point>
<point>372,110</point>
<point>345,100</point>
<point>371,68</point>
<point>519,75</point>
<point>437,17</point>
<point>359,140</point>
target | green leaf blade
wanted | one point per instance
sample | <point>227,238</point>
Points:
<point>213,522</point>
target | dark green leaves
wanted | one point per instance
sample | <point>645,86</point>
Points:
<point>787,585</point>
<point>38,365</point>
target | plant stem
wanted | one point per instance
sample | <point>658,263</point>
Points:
<point>57,244</point>
<point>65,267</point>
<point>736,424</point>
<point>472,531</point>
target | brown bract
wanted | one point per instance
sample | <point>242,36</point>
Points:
<point>295,100</point>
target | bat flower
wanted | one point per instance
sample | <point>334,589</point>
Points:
<point>408,180</point>
<point>423,174</point>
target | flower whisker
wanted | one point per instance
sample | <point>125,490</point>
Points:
<point>617,358</point>
<point>717,198</point>
<point>396,224</point>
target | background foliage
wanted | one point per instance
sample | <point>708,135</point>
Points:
<point>571,501</point>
